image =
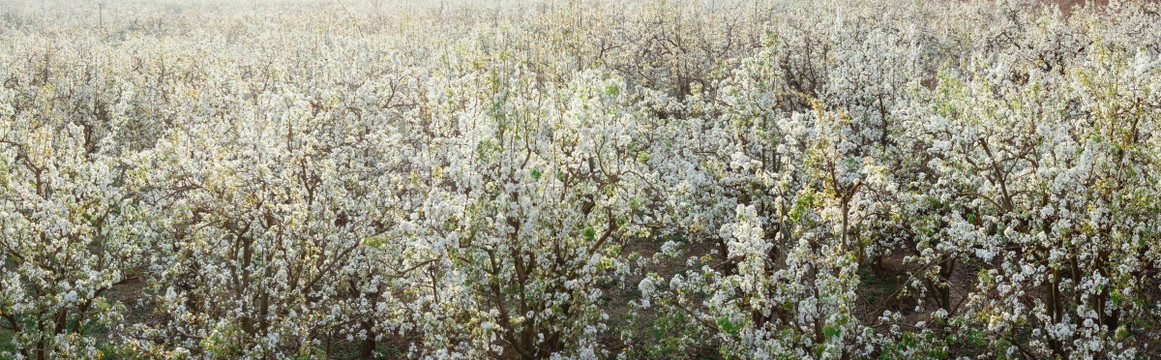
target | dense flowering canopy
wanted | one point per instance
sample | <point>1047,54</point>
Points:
<point>580,179</point>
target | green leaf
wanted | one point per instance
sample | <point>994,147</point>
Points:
<point>831,331</point>
<point>728,326</point>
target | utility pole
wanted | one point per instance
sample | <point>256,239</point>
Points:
<point>101,15</point>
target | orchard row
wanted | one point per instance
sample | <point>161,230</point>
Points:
<point>580,179</point>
